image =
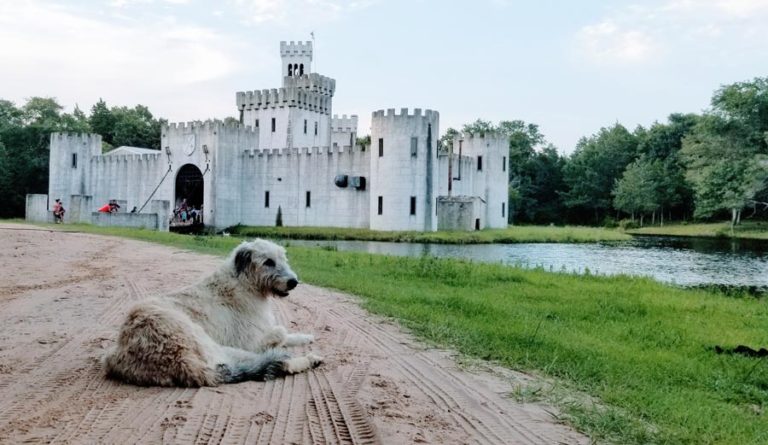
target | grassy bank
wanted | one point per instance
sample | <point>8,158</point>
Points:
<point>643,350</point>
<point>512,234</point>
<point>746,230</point>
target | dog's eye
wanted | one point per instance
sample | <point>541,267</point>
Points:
<point>269,263</point>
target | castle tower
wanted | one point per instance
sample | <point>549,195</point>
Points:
<point>69,165</point>
<point>404,170</point>
<point>296,58</point>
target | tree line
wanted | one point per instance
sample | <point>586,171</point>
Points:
<point>25,137</point>
<point>712,165</point>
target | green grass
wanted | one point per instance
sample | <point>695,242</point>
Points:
<point>746,230</point>
<point>512,234</point>
<point>642,350</point>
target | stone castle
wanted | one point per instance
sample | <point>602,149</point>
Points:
<point>290,152</point>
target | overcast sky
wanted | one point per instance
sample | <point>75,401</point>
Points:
<point>569,66</point>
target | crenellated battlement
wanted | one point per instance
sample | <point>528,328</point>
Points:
<point>283,97</point>
<point>344,123</point>
<point>295,48</point>
<point>107,158</point>
<point>404,113</point>
<point>85,137</point>
<point>314,82</point>
<point>208,125</point>
<point>298,151</point>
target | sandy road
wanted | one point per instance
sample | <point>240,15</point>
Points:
<point>62,296</point>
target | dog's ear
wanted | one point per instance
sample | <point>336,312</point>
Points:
<point>242,260</point>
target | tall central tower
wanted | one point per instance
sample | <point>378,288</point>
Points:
<point>297,58</point>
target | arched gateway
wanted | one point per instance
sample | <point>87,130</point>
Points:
<point>190,187</point>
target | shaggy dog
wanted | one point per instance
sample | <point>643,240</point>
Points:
<point>221,330</point>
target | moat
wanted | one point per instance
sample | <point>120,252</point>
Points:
<point>674,260</point>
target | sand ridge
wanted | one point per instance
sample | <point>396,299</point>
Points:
<point>63,295</point>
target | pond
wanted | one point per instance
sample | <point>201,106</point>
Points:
<point>675,260</point>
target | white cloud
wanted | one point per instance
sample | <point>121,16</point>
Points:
<point>608,42</point>
<point>297,12</point>
<point>639,34</point>
<point>48,49</point>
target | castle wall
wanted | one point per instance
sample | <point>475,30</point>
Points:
<point>288,174</point>
<point>402,172</point>
<point>128,178</point>
<point>343,131</point>
<point>490,183</point>
<point>69,165</point>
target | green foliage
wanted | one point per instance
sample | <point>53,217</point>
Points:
<point>513,234</point>
<point>25,137</point>
<point>118,126</point>
<point>364,141</point>
<point>726,153</point>
<point>595,166</point>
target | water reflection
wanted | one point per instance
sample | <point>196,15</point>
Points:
<point>682,261</point>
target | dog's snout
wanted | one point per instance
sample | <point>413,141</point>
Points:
<point>292,283</point>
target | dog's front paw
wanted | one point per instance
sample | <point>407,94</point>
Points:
<point>314,360</point>
<point>276,337</point>
<point>308,338</point>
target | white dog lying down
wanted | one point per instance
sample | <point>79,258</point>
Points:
<point>221,330</point>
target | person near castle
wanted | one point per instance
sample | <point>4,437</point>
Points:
<point>58,212</point>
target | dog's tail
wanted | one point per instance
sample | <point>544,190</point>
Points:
<point>267,365</point>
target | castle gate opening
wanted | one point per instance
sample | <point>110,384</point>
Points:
<point>189,187</point>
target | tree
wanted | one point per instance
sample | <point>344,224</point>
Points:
<point>594,167</point>
<point>479,128</point>
<point>103,121</point>
<point>639,189</point>
<point>445,143</point>
<point>725,153</point>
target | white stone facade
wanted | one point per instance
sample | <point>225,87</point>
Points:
<point>290,152</point>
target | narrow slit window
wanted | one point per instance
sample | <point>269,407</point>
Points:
<point>274,124</point>
<point>414,146</point>
<point>74,160</point>
<point>309,199</point>
<point>256,125</point>
<point>479,163</point>
<point>381,205</point>
<point>266,199</point>
<point>315,128</point>
<point>503,209</point>
<point>305,126</point>
<point>413,205</point>
<point>381,147</point>
<point>504,163</point>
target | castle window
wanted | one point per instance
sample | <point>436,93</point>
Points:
<point>381,205</point>
<point>241,115</point>
<point>315,128</point>
<point>503,209</point>
<point>477,224</point>
<point>504,163</point>
<point>266,199</point>
<point>305,126</point>
<point>414,147</point>
<point>256,125</point>
<point>301,69</point>
<point>74,160</point>
<point>381,147</point>
<point>413,205</point>
<point>309,199</point>
<point>479,163</point>
<point>274,124</point>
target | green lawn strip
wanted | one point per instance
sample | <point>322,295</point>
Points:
<point>512,234</point>
<point>642,349</point>
<point>746,230</point>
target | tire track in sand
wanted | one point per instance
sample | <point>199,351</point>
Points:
<point>488,423</point>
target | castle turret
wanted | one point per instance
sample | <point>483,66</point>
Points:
<point>296,58</point>
<point>403,170</point>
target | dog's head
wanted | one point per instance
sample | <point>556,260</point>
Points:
<point>263,267</point>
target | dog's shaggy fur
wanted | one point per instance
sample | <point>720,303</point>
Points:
<point>221,330</point>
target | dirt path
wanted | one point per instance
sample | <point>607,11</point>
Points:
<point>377,386</point>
